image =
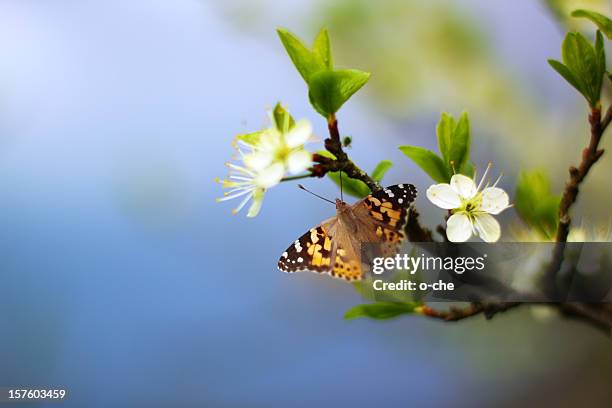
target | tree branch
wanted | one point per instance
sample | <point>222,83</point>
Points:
<point>333,144</point>
<point>414,230</point>
<point>598,315</point>
<point>341,162</point>
<point>455,314</point>
<point>590,155</point>
<point>606,120</point>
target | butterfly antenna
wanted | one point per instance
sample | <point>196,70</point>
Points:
<point>341,193</point>
<point>316,195</point>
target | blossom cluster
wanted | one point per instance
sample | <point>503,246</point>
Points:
<point>264,158</point>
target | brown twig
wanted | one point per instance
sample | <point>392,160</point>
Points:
<point>341,162</point>
<point>598,315</point>
<point>590,155</point>
<point>414,230</point>
<point>606,120</point>
<point>454,314</point>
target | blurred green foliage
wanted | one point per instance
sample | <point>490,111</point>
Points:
<point>562,11</point>
<point>602,22</point>
<point>535,203</point>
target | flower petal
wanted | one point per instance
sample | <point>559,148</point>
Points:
<point>298,161</point>
<point>443,196</point>
<point>299,134</point>
<point>242,204</point>
<point>271,140</point>
<point>258,196</point>
<point>270,176</point>
<point>464,186</point>
<point>257,161</point>
<point>487,227</point>
<point>494,200</point>
<point>228,196</point>
<point>458,228</point>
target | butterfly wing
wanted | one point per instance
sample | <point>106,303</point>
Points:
<point>312,251</point>
<point>321,250</point>
<point>384,212</point>
<point>334,249</point>
<point>387,209</point>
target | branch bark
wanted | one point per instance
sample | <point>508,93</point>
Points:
<point>597,315</point>
<point>341,162</point>
<point>590,155</point>
<point>455,314</point>
<point>415,231</point>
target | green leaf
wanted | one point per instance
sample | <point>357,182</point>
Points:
<point>350,186</point>
<point>327,154</point>
<point>428,161</point>
<point>381,169</point>
<point>444,131</point>
<point>600,54</point>
<point>354,187</point>
<point>461,143</point>
<point>322,48</point>
<point>565,73</point>
<point>602,22</point>
<point>577,55</point>
<point>454,143</point>
<point>282,119</point>
<point>306,61</point>
<point>381,310</point>
<point>329,90</point>
<point>468,169</point>
<point>251,138</point>
<point>583,65</point>
<point>358,188</point>
<point>535,204</point>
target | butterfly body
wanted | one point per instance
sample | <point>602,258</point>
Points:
<point>334,246</point>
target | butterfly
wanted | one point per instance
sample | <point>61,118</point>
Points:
<point>334,246</point>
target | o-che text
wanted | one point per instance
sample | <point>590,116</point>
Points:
<point>413,286</point>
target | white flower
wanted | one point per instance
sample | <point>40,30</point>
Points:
<point>266,157</point>
<point>248,183</point>
<point>471,208</point>
<point>281,147</point>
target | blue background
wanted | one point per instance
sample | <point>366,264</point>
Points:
<point>123,281</point>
